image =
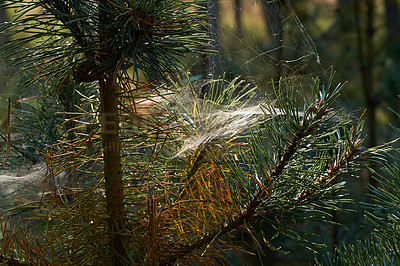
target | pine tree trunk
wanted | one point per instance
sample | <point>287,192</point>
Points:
<point>392,20</point>
<point>274,25</point>
<point>112,167</point>
<point>238,18</point>
<point>365,48</point>
<point>111,146</point>
<point>211,62</point>
<point>214,59</point>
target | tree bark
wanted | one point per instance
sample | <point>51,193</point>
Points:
<point>112,167</point>
<point>111,146</point>
<point>274,25</point>
<point>238,18</point>
<point>365,49</point>
<point>392,20</point>
<point>211,62</point>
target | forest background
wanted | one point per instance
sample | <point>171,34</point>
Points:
<point>359,38</point>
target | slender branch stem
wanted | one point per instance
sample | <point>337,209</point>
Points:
<point>365,50</point>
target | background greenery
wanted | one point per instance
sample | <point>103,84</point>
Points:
<point>359,38</point>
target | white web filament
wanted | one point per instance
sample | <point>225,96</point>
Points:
<point>205,122</point>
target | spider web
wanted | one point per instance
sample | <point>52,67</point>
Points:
<point>259,40</point>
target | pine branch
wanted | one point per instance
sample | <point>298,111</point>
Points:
<point>69,21</point>
<point>250,213</point>
<point>353,150</point>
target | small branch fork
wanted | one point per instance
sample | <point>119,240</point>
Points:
<point>250,213</point>
<point>353,150</point>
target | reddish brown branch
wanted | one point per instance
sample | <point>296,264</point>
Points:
<point>334,169</point>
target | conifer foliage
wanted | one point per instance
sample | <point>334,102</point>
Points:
<point>150,173</point>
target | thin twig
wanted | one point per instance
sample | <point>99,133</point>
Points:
<point>8,132</point>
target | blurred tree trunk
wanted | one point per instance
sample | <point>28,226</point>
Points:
<point>238,18</point>
<point>274,25</point>
<point>392,66</point>
<point>3,39</point>
<point>348,23</point>
<point>365,33</point>
<point>211,62</point>
<point>392,20</point>
<point>344,17</point>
